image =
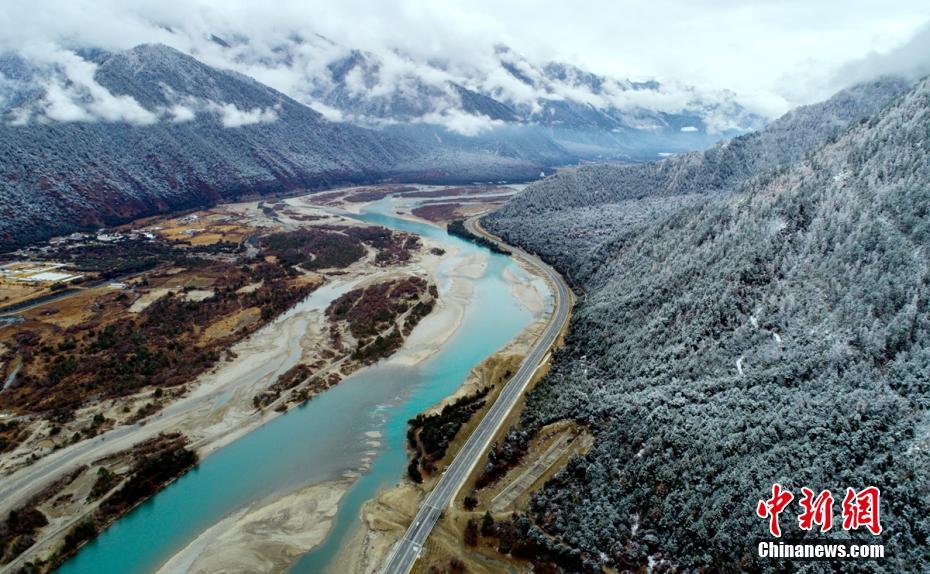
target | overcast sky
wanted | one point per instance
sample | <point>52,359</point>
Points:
<point>773,53</point>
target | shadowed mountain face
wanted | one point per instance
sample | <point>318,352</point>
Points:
<point>235,136</point>
<point>774,331</point>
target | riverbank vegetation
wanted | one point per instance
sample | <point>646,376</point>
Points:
<point>11,432</point>
<point>438,212</point>
<point>334,247</point>
<point>151,465</point>
<point>17,532</point>
<point>429,435</point>
<point>458,229</point>
<point>371,321</point>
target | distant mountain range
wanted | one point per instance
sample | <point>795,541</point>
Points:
<point>556,95</point>
<point>588,116</point>
<point>108,136</point>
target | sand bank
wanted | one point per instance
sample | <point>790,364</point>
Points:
<point>263,537</point>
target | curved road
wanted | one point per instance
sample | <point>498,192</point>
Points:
<point>407,550</point>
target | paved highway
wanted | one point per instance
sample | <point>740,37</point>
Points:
<point>407,550</point>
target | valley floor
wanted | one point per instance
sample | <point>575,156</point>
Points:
<point>266,537</point>
<point>219,406</point>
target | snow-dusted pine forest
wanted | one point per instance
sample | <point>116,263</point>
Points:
<point>756,313</point>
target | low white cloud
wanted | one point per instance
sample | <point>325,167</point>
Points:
<point>689,129</point>
<point>912,59</point>
<point>179,113</point>
<point>355,81</point>
<point>71,94</point>
<point>68,92</point>
<point>232,116</point>
<point>504,85</point>
<point>330,113</point>
<point>59,105</point>
<point>187,108</point>
<point>20,116</point>
<point>461,122</point>
<point>718,121</point>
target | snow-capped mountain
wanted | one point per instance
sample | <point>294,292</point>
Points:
<point>154,129</point>
<point>492,87</point>
<point>91,136</point>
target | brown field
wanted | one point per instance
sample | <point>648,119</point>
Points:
<point>22,280</point>
<point>438,212</point>
<point>210,227</point>
<point>13,292</point>
<point>446,212</point>
<point>93,304</point>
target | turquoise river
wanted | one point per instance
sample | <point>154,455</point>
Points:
<point>323,439</point>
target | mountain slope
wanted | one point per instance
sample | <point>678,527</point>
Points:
<point>589,116</point>
<point>724,165</point>
<point>239,137</point>
<point>578,201</point>
<point>779,334</point>
<point>102,137</point>
<point>396,87</point>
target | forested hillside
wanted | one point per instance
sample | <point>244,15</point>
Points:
<point>230,135</point>
<point>102,137</point>
<point>197,134</point>
<point>780,333</point>
<point>589,204</point>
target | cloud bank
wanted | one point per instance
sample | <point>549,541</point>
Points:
<point>773,55</point>
<point>911,59</point>
<point>72,94</point>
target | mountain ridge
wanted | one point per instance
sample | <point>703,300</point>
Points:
<point>206,135</point>
<point>578,200</point>
<point>103,137</point>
